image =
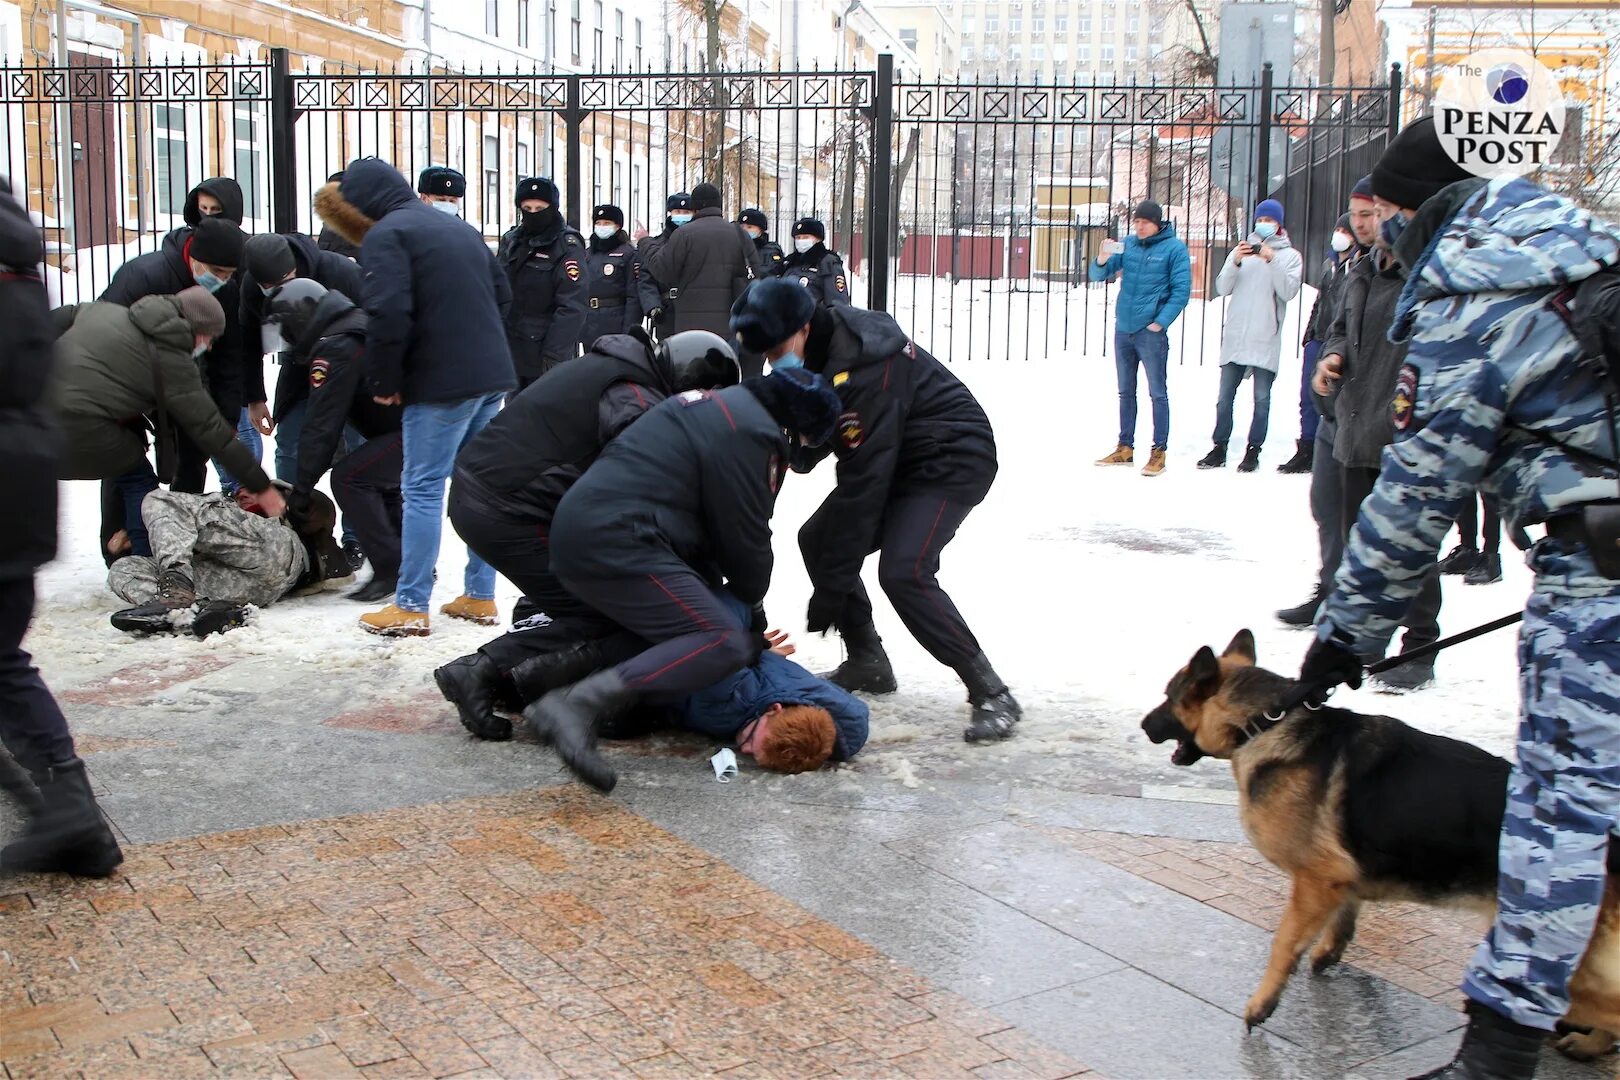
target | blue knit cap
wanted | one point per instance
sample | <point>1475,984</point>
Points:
<point>1363,189</point>
<point>1270,208</point>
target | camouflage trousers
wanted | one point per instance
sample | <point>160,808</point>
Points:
<point>229,553</point>
<point>1563,805</point>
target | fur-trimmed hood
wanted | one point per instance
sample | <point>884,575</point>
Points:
<point>370,188</point>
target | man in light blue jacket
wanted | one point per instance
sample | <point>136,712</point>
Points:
<point>1153,293</point>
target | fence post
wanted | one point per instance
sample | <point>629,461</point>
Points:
<point>1262,144</point>
<point>283,152</point>
<point>1394,99</point>
<point>881,196</point>
<point>574,118</point>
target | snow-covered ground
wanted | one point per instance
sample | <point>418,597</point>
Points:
<point>1089,587</point>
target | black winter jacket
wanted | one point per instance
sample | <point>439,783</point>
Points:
<point>770,255</point>
<point>30,443</point>
<point>524,461</point>
<point>909,426</point>
<point>1329,295</point>
<point>167,271</point>
<point>547,276</point>
<point>338,395</point>
<point>820,271</point>
<point>613,287</point>
<point>334,272</point>
<point>1362,401</point>
<point>707,263</point>
<point>432,288</point>
<point>694,481</point>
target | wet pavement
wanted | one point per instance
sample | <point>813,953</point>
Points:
<point>326,877</point>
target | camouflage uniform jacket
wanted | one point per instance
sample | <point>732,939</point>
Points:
<point>1491,358</point>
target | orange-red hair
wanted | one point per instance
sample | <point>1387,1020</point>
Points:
<point>797,739</point>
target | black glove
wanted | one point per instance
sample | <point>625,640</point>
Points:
<point>1327,664</point>
<point>756,620</point>
<point>298,502</point>
<point>823,612</point>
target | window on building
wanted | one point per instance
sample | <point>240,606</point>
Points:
<point>967,25</point>
<point>618,184</point>
<point>967,53</point>
<point>523,160</point>
<point>1082,55</point>
<point>638,44</point>
<point>1037,53</point>
<point>1133,25</point>
<point>1015,24</point>
<point>908,37</point>
<point>1060,54</point>
<point>1061,23</point>
<point>1015,54</point>
<point>991,55</point>
<point>1130,53</point>
<point>1085,24</point>
<point>992,23</point>
<point>597,174</point>
<point>1108,54</point>
<point>574,29</point>
<point>1108,23</point>
<point>1037,24</point>
<point>492,176</point>
<point>492,17</point>
<point>523,23</point>
<point>601,34</point>
<point>169,148</point>
<point>635,194</point>
<point>249,149</point>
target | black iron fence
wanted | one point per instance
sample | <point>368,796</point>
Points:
<point>971,211</point>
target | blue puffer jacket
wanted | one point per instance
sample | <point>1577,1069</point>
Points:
<point>1157,282</point>
<point>435,295</point>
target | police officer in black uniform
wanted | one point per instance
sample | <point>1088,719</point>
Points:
<point>325,335</point>
<point>758,228</point>
<point>655,298</point>
<point>545,262</point>
<point>676,505</point>
<point>813,266</point>
<point>613,278</point>
<point>915,455</point>
<point>505,490</point>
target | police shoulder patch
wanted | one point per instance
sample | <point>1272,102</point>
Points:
<point>571,268</point>
<point>850,431</point>
<point>841,285</point>
<point>319,369</point>
<point>841,378</point>
<point>692,397</point>
<point>1406,392</point>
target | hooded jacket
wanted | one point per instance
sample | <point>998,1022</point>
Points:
<point>1157,281</point>
<point>165,272</point>
<point>334,272</point>
<point>707,262</point>
<point>435,295</point>
<point>227,191</point>
<point>1492,398</point>
<point>1259,292</point>
<point>105,383</point>
<point>30,443</point>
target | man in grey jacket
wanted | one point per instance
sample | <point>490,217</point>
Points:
<point>1261,275</point>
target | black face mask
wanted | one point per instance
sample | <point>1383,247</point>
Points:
<point>541,222</point>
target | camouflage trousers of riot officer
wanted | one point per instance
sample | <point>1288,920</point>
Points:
<point>1563,794</point>
<point>228,553</point>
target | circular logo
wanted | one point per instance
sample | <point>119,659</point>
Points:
<point>1499,112</point>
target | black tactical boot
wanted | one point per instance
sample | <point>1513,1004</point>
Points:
<point>164,613</point>
<point>1304,455</point>
<point>378,588</point>
<point>218,616</point>
<point>1215,459</point>
<point>568,719</point>
<point>68,834</point>
<point>1493,1048</point>
<point>1304,614</point>
<point>995,710</point>
<point>470,684</point>
<point>866,670</point>
<point>538,675</point>
<point>1412,675</point>
<point>1251,460</point>
<point>353,555</point>
<point>1460,560</point>
<point>1487,570</point>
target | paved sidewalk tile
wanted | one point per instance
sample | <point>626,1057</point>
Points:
<point>547,934</point>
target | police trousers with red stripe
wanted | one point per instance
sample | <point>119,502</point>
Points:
<point>916,528</point>
<point>696,640</point>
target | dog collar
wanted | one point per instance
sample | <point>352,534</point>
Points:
<point>1257,726</point>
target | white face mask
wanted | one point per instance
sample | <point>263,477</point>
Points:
<point>447,208</point>
<point>753,234</point>
<point>802,244</point>
<point>680,219</point>
<point>1341,242</point>
<point>606,232</point>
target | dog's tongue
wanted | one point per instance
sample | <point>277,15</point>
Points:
<point>1186,752</point>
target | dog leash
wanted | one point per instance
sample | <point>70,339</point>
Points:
<point>1308,694</point>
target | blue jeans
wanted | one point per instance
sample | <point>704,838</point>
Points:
<point>249,436</point>
<point>435,432</point>
<point>1232,376</point>
<point>1150,349</point>
<point>1308,416</point>
<point>133,487</point>
<point>288,430</point>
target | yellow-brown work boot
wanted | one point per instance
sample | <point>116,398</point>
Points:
<point>1155,464</point>
<point>481,612</point>
<point>1122,455</point>
<point>394,621</point>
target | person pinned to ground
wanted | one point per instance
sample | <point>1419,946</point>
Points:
<point>915,455</point>
<point>675,512</point>
<point>1260,276</point>
<point>545,261</point>
<point>814,265</point>
<point>505,493</point>
<point>324,336</point>
<point>1153,292</point>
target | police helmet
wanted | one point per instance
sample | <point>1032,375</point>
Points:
<point>288,312</point>
<point>698,360</point>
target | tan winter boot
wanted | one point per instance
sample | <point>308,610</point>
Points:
<point>394,621</point>
<point>1155,464</point>
<point>481,612</point>
<point>1122,455</point>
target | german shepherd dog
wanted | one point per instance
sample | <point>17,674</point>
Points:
<point>1356,808</point>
